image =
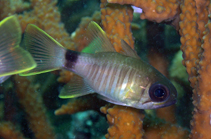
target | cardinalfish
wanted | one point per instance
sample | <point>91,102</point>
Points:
<point>120,78</point>
<point>13,58</point>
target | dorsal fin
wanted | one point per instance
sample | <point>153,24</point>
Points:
<point>99,41</point>
<point>127,50</point>
<point>76,87</point>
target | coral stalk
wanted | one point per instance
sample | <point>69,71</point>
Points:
<point>46,16</point>
<point>8,131</point>
<point>201,125</point>
<point>190,39</point>
<point>202,12</point>
<point>34,107</point>
<point>116,21</point>
<point>125,122</point>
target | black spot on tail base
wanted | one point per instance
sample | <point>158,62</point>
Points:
<point>71,58</point>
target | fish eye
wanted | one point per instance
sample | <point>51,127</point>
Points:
<point>158,92</point>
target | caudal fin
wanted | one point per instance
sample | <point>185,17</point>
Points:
<point>47,52</point>
<point>13,59</point>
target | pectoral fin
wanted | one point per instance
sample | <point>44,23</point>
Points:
<point>75,88</point>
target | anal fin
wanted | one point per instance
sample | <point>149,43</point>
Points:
<point>4,78</point>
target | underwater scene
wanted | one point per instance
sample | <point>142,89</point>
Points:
<point>105,69</point>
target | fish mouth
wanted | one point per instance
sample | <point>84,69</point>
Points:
<point>166,104</point>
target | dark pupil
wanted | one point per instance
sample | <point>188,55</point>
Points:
<point>159,93</point>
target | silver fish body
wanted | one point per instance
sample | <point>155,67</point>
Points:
<point>120,78</point>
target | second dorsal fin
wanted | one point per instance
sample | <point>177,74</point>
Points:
<point>128,51</point>
<point>99,41</point>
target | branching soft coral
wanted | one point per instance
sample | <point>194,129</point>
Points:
<point>46,16</point>
<point>8,131</point>
<point>116,21</point>
<point>162,10</point>
<point>9,7</point>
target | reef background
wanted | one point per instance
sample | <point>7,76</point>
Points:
<point>161,34</point>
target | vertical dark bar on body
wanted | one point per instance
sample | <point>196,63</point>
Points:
<point>71,58</point>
